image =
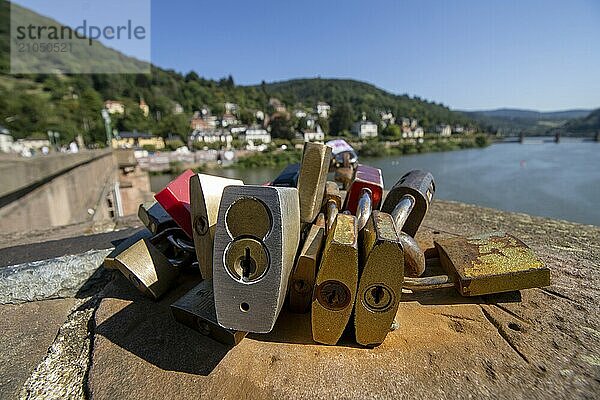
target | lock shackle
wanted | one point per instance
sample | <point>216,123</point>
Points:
<point>414,258</point>
<point>428,283</point>
<point>364,208</point>
<point>332,212</point>
<point>181,244</point>
<point>402,210</point>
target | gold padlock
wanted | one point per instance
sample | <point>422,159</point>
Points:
<point>380,284</point>
<point>303,276</point>
<point>335,287</point>
<point>485,264</point>
<point>196,309</point>
<point>311,180</point>
<point>205,197</point>
<point>110,261</point>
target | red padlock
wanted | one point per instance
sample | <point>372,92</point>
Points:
<point>366,177</point>
<point>175,199</point>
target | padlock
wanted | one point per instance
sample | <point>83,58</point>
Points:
<point>409,199</point>
<point>109,260</point>
<point>196,310</point>
<point>205,197</point>
<point>303,276</point>
<point>154,217</point>
<point>153,264</point>
<point>312,178</point>
<point>490,263</point>
<point>366,177</point>
<point>175,199</point>
<point>336,283</point>
<point>288,177</point>
<point>256,238</point>
<point>332,203</point>
<point>344,174</point>
<point>380,282</point>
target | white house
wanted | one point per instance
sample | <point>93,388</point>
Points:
<point>444,130</point>
<point>298,113</point>
<point>365,129</point>
<point>314,135</point>
<point>206,136</point>
<point>255,134</point>
<point>114,107</point>
<point>323,109</point>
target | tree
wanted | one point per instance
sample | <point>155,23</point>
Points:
<point>176,124</point>
<point>341,119</point>
<point>391,131</point>
<point>281,128</point>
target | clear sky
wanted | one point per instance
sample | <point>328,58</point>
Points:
<point>542,55</point>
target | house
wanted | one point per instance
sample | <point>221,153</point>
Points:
<point>114,107</point>
<point>414,123</point>
<point>211,136</point>
<point>404,122</point>
<point>299,113</point>
<point>237,129</point>
<point>255,134</point>
<point>277,105</point>
<point>458,129</point>
<point>135,139</point>
<point>365,129</point>
<point>231,108</point>
<point>387,118</point>
<point>228,119</point>
<point>323,109</point>
<point>6,140</point>
<point>198,123</point>
<point>259,115</point>
<point>144,107</point>
<point>314,135</point>
<point>418,132</point>
<point>444,130</point>
<point>177,109</point>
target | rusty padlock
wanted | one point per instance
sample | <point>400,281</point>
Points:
<point>303,276</point>
<point>366,177</point>
<point>312,178</point>
<point>153,264</point>
<point>256,238</point>
<point>196,310</point>
<point>205,197</point>
<point>409,199</point>
<point>380,282</point>
<point>490,263</point>
<point>154,217</point>
<point>175,199</point>
<point>336,283</point>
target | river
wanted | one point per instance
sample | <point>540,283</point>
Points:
<point>538,177</point>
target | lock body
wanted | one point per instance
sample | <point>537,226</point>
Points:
<point>154,217</point>
<point>288,177</point>
<point>256,238</point>
<point>110,261</point>
<point>303,277</point>
<point>380,283</point>
<point>312,178</point>
<point>420,186</point>
<point>196,310</point>
<point>205,198</point>
<point>175,199</point>
<point>337,279</point>
<point>491,263</point>
<point>365,178</point>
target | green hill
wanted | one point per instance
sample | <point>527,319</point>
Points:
<point>588,126</point>
<point>30,105</point>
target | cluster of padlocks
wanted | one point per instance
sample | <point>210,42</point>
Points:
<point>335,249</point>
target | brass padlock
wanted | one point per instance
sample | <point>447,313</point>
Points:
<point>256,238</point>
<point>490,263</point>
<point>196,310</point>
<point>110,262</point>
<point>154,217</point>
<point>337,279</point>
<point>311,180</point>
<point>380,283</point>
<point>205,197</point>
<point>303,276</point>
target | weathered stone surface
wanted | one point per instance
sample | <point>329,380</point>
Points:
<point>540,343</point>
<point>26,333</point>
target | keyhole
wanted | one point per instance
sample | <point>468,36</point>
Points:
<point>248,266</point>
<point>377,293</point>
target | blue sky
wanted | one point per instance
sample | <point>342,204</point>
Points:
<point>541,55</point>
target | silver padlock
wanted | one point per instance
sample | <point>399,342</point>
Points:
<point>256,238</point>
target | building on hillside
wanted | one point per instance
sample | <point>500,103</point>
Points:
<point>177,109</point>
<point>414,123</point>
<point>228,119</point>
<point>299,113</point>
<point>458,129</point>
<point>418,132</point>
<point>255,134</point>
<point>259,115</point>
<point>387,118</point>
<point>211,136</point>
<point>365,129</point>
<point>114,107</point>
<point>314,135</point>
<point>144,107</point>
<point>236,130</point>
<point>130,140</point>
<point>323,109</point>
<point>404,122</point>
<point>231,108</point>
<point>198,123</point>
<point>443,130</point>
<point>277,105</point>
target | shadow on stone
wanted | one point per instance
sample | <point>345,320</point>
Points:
<point>451,297</point>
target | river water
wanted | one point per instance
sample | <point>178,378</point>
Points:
<point>538,177</point>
